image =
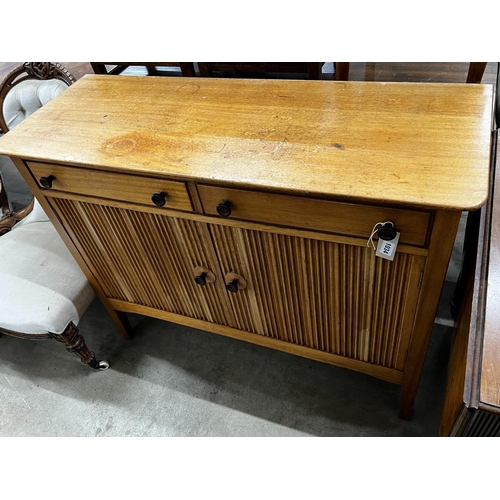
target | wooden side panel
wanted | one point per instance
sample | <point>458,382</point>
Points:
<point>147,259</point>
<point>332,297</point>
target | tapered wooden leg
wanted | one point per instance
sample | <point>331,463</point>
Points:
<point>440,248</point>
<point>468,260</point>
<point>75,343</point>
<point>120,319</point>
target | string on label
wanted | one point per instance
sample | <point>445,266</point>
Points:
<point>376,227</point>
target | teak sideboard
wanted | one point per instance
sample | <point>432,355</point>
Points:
<point>244,207</point>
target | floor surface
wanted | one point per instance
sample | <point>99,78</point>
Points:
<point>176,381</point>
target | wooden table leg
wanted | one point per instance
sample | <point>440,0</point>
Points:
<point>314,70</point>
<point>476,72</point>
<point>342,71</point>
<point>187,69</point>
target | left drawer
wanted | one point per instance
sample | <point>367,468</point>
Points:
<point>115,186</point>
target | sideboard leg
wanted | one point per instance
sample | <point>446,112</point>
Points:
<point>440,248</point>
<point>121,322</point>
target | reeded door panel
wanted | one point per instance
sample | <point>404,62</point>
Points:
<point>147,259</point>
<point>333,297</point>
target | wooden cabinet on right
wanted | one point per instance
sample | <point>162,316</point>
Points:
<point>472,400</point>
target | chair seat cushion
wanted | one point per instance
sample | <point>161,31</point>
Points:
<point>42,287</point>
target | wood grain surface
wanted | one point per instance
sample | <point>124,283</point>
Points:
<point>147,259</point>
<point>490,372</point>
<point>388,374</point>
<point>464,412</point>
<point>401,143</point>
<point>128,188</point>
<point>319,215</point>
<point>330,297</point>
<point>440,248</point>
<point>333,153</point>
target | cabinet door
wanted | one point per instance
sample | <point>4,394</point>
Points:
<point>328,296</point>
<point>147,259</point>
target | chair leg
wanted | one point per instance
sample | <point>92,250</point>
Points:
<point>342,71</point>
<point>75,343</point>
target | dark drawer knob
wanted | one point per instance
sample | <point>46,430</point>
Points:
<point>224,209</point>
<point>159,199</point>
<point>46,182</point>
<point>233,286</point>
<point>201,279</point>
<point>387,232</point>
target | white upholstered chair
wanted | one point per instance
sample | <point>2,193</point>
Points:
<point>23,91</point>
<point>44,291</point>
<point>29,87</point>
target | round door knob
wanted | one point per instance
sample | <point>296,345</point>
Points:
<point>46,182</point>
<point>159,199</point>
<point>203,276</point>
<point>387,232</point>
<point>233,286</point>
<point>201,279</point>
<point>224,209</point>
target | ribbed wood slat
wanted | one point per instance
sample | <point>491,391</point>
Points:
<point>332,297</point>
<point>481,424</point>
<point>147,259</point>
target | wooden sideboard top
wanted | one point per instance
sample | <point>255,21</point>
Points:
<point>422,144</point>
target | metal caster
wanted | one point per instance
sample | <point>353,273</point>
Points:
<point>102,365</point>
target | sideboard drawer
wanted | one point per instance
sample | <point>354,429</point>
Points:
<point>115,186</point>
<point>320,215</point>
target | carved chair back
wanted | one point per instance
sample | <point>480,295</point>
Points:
<point>24,90</point>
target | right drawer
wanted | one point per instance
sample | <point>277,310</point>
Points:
<point>319,215</point>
